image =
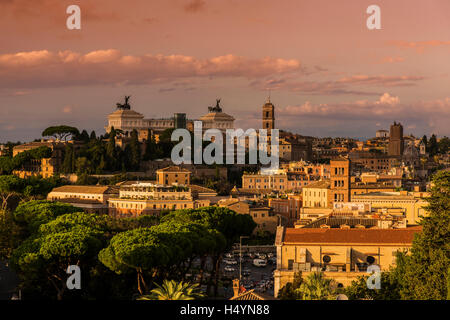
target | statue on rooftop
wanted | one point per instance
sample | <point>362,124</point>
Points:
<point>217,108</point>
<point>126,105</point>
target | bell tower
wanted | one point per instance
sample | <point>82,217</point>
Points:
<point>268,117</point>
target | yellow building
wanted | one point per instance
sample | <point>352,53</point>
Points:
<point>263,216</point>
<point>46,167</point>
<point>92,199</point>
<point>281,182</point>
<point>410,204</point>
<point>173,175</point>
<point>317,195</point>
<point>148,198</point>
<point>342,254</point>
<point>288,207</point>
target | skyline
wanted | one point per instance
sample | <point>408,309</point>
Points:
<point>327,74</point>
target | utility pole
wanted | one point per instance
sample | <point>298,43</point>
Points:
<point>240,258</point>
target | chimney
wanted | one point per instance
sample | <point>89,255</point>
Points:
<point>236,287</point>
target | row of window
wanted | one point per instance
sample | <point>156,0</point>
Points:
<point>339,197</point>
<point>313,193</point>
<point>72,196</point>
<point>339,183</point>
<point>339,171</point>
<point>141,206</point>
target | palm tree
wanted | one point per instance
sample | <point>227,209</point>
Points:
<point>316,287</point>
<point>172,290</point>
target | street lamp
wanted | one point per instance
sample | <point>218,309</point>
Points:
<point>240,257</point>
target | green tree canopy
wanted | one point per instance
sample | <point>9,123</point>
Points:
<point>316,287</point>
<point>9,186</point>
<point>32,214</point>
<point>61,132</point>
<point>425,270</point>
<point>71,239</point>
<point>229,223</point>
<point>139,250</point>
<point>172,290</point>
<point>444,145</point>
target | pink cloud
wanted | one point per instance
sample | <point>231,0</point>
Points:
<point>110,66</point>
<point>101,56</point>
<point>385,107</point>
<point>381,80</point>
<point>346,85</point>
<point>195,6</point>
<point>420,46</point>
<point>423,116</point>
<point>26,59</point>
<point>387,99</point>
<point>67,109</point>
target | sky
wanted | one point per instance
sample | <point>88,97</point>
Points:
<point>326,73</point>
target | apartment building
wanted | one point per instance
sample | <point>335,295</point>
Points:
<point>342,254</point>
<point>91,199</point>
<point>410,204</point>
<point>264,217</point>
<point>173,175</point>
<point>137,198</point>
<point>45,167</point>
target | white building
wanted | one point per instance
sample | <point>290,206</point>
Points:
<point>128,120</point>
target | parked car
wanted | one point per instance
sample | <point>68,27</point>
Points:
<point>259,262</point>
<point>262,256</point>
<point>229,255</point>
<point>229,269</point>
<point>230,261</point>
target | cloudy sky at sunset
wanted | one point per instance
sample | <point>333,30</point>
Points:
<point>327,73</point>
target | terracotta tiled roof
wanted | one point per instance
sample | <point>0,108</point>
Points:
<point>87,189</point>
<point>131,182</point>
<point>252,295</point>
<point>381,236</point>
<point>200,189</point>
<point>227,202</point>
<point>252,191</point>
<point>323,184</point>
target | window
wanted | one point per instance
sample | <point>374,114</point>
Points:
<point>370,260</point>
<point>290,264</point>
